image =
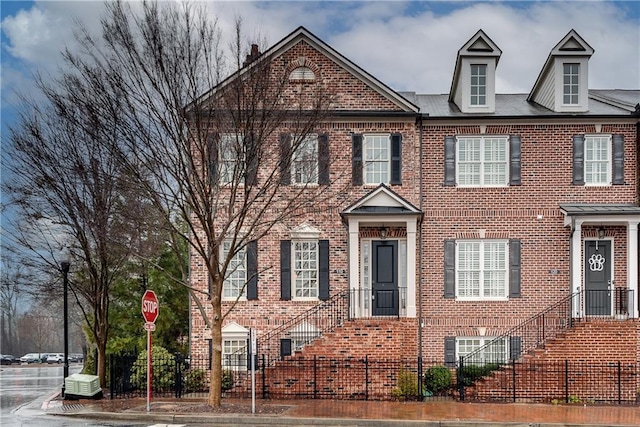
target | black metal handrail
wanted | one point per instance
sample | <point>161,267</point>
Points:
<point>528,335</point>
<point>305,327</point>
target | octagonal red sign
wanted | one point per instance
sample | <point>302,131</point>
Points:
<point>149,306</point>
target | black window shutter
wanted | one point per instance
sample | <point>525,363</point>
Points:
<point>323,159</point>
<point>578,159</point>
<point>515,160</point>
<point>212,153</point>
<point>356,166</point>
<point>514,269</point>
<point>285,348</point>
<point>450,160</point>
<point>618,160</point>
<point>323,248</point>
<point>450,351</point>
<point>285,269</point>
<point>515,348</point>
<point>396,159</point>
<point>252,270</point>
<point>449,268</point>
<point>253,157</point>
<point>285,159</point>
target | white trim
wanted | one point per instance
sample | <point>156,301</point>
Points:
<point>632,267</point>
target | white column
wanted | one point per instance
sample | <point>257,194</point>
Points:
<point>576,267</point>
<point>632,267</point>
<point>411,267</point>
<point>354,266</point>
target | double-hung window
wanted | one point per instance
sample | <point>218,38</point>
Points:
<point>304,165</point>
<point>236,275</point>
<point>482,269</point>
<point>597,159</point>
<point>570,84</point>
<point>305,269</point>
<point>496,352</point>
<point>377,158</point>
<point>478,85</point>
<point>234,354</point>
<point>483,161</point>
<point>231,157</point>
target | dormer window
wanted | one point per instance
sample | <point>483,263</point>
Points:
<point>571,84</point>
<point>478,84</point>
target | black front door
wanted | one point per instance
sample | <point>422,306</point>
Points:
<point>385,278</point>
<point>597,274</point>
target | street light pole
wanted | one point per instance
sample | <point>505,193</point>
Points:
<point>65,281</point>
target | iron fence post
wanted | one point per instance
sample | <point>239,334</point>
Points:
<point>619,383</point>
<point>566,381</point>
<point>420,380</point>
<point>366,377</point>
<point>460,379</point>
<point>112,382</point>
<point>315,377</point>
<point>513,368</point>
<point>264,377</point>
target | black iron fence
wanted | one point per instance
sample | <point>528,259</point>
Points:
<point>367,379</point>
<point>567,381</point>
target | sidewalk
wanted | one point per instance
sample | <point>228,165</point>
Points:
<point>361,413</point>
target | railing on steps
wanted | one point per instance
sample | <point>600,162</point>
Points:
<point>304,328</point>
<point>536,331</point>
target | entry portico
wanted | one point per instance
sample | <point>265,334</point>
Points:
<point>382,246</point>
<point>595,257</point>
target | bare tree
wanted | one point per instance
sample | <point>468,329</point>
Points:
<point>9,296</point>
<point>71,197</point>
<point>208,149</point>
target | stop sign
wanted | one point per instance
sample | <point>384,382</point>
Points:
<point>149,306</point>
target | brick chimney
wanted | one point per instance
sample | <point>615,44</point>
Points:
<point>255,53</point>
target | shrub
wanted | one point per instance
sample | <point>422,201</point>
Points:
<point>195,380</point>
<point>471,373</point>
<point>227,380</point>
<point>437,379</point>
<point>163,366</point>
<point>406,386</point>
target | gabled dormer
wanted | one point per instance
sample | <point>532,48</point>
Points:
<point>473,88</point>
<point>563,84</point>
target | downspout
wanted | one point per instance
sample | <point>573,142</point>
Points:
<point>421,206</point>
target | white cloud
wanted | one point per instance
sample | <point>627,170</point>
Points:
<point>407,45</point>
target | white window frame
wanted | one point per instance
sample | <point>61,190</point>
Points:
<point>477,84</point>
<point>234,284</point>
<point>598,150</point>
<point>467,345</point>
<point>474,273</point>
<point>304,164</point>
<point>305,270</point>
<point>230,156</point>
<point>483,160</point>
<point>234,346</point>
<point>376,158</point>
<point>570,84</point>
<point>302,73</point>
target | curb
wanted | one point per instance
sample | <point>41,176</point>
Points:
<point>268,420</point>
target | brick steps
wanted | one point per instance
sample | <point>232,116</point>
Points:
<point>601,343</point>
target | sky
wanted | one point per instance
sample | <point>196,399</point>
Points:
<point>408,45</point>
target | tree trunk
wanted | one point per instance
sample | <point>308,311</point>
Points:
<point>101,364</point>
<point>215,386</point>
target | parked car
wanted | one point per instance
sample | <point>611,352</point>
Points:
<point>7,359</point>
<point>76,357</point>
<point>55,358</point>
<point>30,358</point>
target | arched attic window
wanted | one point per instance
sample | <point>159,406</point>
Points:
<point>302,74</point>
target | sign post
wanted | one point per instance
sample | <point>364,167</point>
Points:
<point>150,314</point>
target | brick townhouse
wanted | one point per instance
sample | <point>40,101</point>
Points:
<point>454,217</point>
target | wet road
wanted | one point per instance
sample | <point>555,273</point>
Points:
<point>26,386</point>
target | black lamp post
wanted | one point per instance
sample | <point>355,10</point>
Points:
<point>64,265</point>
